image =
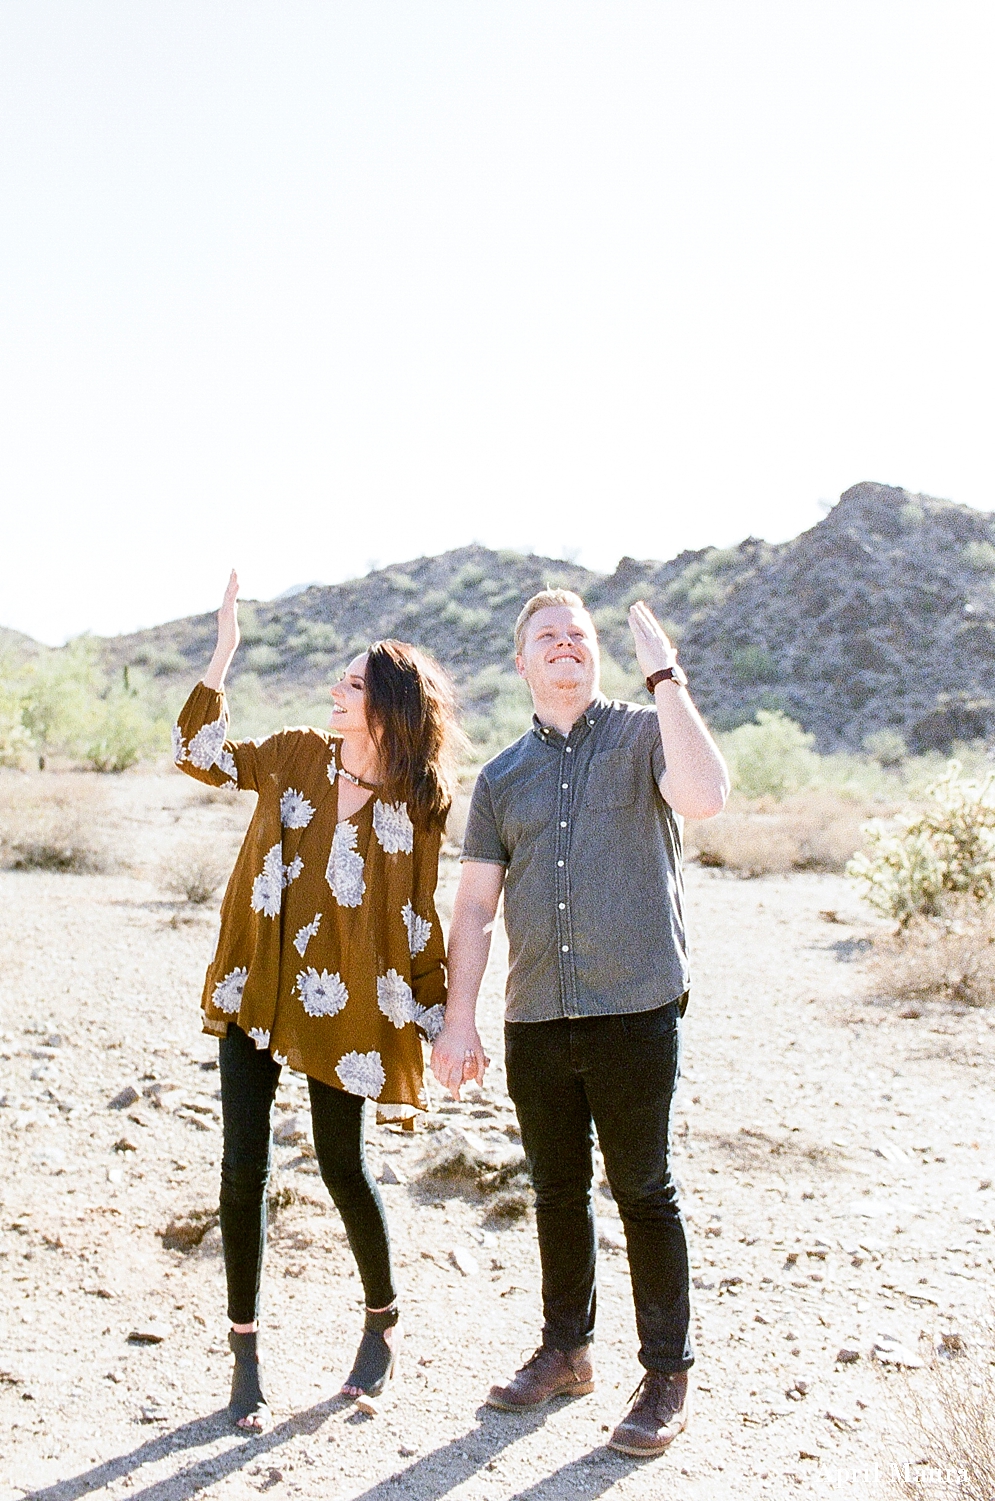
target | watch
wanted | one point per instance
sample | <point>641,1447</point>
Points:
<point>673,674</point>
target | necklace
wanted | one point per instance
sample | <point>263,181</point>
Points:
<point>357,781</point>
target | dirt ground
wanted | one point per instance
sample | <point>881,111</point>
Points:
<point>835,1159</point>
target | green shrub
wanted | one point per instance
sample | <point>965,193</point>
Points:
<point>497,710</point>
<point>120,734</point>
<point>262,658</point>
<point>920,863</point>
<point>468,576</point>
<point>980,555</point>
<point>772,757</point>
<point>15,737</point>
<point>886,747</point>
<point>754,664</point>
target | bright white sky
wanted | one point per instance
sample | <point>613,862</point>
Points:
<point>303,286</point>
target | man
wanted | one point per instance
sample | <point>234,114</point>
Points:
<point>578,823</point>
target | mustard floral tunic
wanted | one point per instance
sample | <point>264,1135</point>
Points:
<point>331,953</point>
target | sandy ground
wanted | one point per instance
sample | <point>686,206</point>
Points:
<point>835,1160</point>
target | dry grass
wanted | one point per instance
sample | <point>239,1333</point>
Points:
<point>952,1426</point>
<point>53,821</point>
<point>195,871</point>
<point>185,1232</point>
<point>809,831</point>
<point>937,960</point>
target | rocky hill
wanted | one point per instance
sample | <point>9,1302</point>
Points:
<point>881,616</point>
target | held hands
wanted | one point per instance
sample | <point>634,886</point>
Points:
<point>654,648</point>
<point>458,1057</point>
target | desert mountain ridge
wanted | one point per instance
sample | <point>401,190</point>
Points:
<point>881,616</point>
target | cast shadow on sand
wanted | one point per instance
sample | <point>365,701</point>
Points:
<point>430,1477</point>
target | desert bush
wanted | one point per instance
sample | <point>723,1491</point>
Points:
<point>886,747</point>
<point>497,709</point>
<point>980,555</point>
<point>936,959</point>
<point>754,664</point>
<point>771,757</point>
<point>810,831</point>
<point>15,737</point>
<point>52,822</point>
<point>918,863</point>
<point>194,871</point>
<point>121,732</point>
<point>71,706</point>
<point>186,1231</point>
<point>263,657</point>
<point>950,1420</point>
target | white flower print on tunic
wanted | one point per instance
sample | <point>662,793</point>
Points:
<point>430,1019</point>
<point>395,999</point>
<point>279,1058</point>
<point>179,744</point>
<point>207,749</point>
<point>259,1037</point>
<point>344,872</point>
<point>332,771</point>
<point>295,810</point>
<point>321,995</point>
<point>393,827</point>
<point>419,931</point>
<point>228,992</point>
<point>362,1073</point>
<point>305,934</point>
<point>267,888</point>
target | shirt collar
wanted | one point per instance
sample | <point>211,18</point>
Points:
<point>582,726</point>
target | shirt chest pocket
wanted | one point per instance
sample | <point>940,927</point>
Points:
<point>611,781</point>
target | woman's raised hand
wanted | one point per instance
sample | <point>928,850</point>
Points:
<point>228,633</point>
<point>228,636</point>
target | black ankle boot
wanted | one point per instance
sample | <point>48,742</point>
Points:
<point>377,1359</point>
<point>247,1400</point>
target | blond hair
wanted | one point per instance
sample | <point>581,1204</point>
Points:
<point>541,601</point>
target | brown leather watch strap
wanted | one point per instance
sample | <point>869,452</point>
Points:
<point>674,674</point>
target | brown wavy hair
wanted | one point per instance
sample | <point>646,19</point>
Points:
<point>411,712</point>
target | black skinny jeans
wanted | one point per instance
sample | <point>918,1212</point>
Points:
<point>249,1077</point>
<point>616,1073</point>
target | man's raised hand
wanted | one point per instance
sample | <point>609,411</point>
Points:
<point>654,648</point>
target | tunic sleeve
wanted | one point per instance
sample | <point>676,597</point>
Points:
<point>202,749</point>
<point>428,961</point>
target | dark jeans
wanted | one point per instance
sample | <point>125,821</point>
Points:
<point>249,1078</point>
<point>616,1073</point>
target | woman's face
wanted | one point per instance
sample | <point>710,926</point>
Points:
<point>349,698</point>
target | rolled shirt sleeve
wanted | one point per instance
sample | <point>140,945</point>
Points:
<point>482,839</point>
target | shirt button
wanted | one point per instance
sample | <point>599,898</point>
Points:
<point>564,785</point>
<point>570,750</point>
<point>566,948</point>
<point>562,824</point>
<point>563,906</point>
<point>559,862</point>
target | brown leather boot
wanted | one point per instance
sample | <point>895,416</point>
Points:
<point>659,1413</point>
<point>549,1373</point>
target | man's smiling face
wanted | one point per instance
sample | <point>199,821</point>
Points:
<point>560,651</point>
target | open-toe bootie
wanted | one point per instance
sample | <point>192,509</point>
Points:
<point>247,1400</point>
<point>377,1359</point>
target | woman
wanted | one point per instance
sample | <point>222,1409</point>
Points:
<point>330,956</point>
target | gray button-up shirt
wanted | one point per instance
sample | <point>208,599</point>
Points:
<point>593,899</point>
